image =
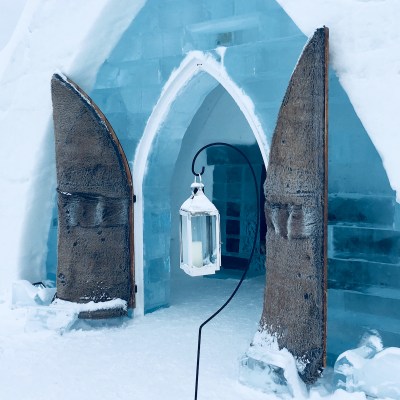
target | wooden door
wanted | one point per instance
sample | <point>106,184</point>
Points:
<point>296,214</point>
<point>95,204</point>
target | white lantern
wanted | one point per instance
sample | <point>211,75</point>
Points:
<point>200,234</point>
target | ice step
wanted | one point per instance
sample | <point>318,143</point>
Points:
<point>352,274</point>
<point>369,243</point>
<point>371,257</point>
<point>377,301</point>
<point>357,209</point>
<point>346,328</point>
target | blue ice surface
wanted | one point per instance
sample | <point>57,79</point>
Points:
<point>262,47</point>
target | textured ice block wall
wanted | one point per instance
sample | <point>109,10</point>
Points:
<point>130,82</point>
<point>262,46</point>
<point>363,255</point>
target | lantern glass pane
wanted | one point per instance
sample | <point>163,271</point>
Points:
<point>184,240</point>
<point>213,238</point>
<point>203,240</point>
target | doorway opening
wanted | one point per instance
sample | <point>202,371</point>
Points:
<point>228,182</point>
<point>202,109</point>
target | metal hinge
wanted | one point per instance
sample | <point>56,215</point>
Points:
<point>134,198</point>
<point>135,288</point>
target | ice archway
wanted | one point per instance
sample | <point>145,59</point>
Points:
<point>181,97</point>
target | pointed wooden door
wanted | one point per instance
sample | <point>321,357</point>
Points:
<point>296,213</point>
<point>95,204</point>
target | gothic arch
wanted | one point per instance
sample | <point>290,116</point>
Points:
<point>197,74</point>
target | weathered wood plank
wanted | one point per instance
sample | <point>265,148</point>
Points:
<point>95,209</point>
<point>296,214</point>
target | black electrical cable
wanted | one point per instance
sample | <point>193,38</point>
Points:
<point>249,259</point>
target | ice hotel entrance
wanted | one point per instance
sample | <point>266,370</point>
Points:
<point>158,92</point>
<point>92,196</point>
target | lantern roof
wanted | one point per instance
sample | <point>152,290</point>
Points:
<point>198,203</point>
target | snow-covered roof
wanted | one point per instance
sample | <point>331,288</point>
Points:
<point>365,54</point>
<point>198,203</point>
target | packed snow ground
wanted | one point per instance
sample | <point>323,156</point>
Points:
<point>150,358</point>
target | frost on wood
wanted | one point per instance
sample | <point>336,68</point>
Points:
<point>266,367</point>
<point>95,251</point>
<point>295,189</point>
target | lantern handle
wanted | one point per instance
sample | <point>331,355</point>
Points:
<point>251,253</point>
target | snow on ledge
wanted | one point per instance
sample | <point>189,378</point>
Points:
<point>90,306</point>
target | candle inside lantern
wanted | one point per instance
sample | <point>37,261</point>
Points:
<point>197,254</point>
